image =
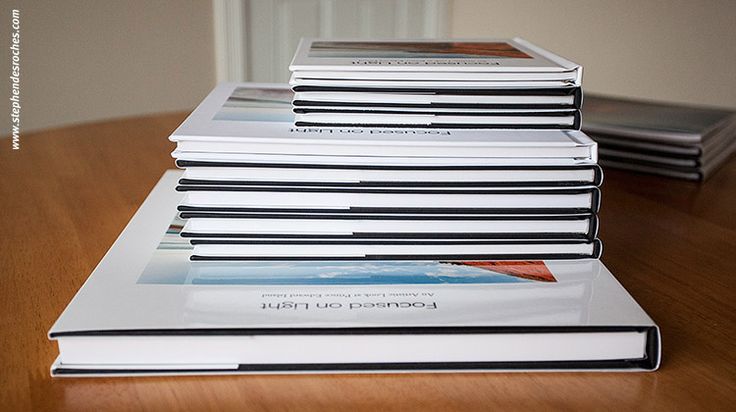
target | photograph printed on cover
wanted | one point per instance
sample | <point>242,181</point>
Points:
<point>415,50</point>
<point>170,264</point>
<point>257,104</point>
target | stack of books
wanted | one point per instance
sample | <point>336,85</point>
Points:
<point>395,192</point>
<point>270,189</point>
<point>686,142</point>
<point>283,247</point>
<point>347,83</point>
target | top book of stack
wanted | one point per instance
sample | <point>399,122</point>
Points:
<point>461,84</point>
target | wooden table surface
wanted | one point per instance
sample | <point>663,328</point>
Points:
<point>68,193</point>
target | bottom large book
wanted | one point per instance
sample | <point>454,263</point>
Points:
<point>147,309</point>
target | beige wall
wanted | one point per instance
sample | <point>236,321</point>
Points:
<point>91,60</point>
<point>682,51</point>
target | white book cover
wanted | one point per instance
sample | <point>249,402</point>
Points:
<point>259,118</point>
<point>245,226</point>
<point>446,76</point>
<point>503,151</point>
<point>458,55</point>
<point>147,309</point>
<point>217,159</point>
<point>296,250</point>
<point>578,200</point>
<point>296,83</point>
<point>412,176</point>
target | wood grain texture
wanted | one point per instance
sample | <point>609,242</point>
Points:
<point>68,193</point>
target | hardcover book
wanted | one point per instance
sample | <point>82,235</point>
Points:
<point>455,56</point>
<point>437,99</point>
<point>569,120</point>
<point>255,123</point>
<point>370,83</point>
<point>657,122</point>
<point>397,176</point>
<point>385,228</point>
<point>147,309</point>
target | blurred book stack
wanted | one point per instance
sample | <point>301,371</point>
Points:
<point>686,142</point>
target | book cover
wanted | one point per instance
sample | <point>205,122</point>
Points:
<point>262,114</point>
<point>147,309</point>
<point>502,55</point>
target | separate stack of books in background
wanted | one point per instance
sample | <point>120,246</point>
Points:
<point>666,139</point>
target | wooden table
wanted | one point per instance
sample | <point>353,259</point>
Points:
<point>68,193</point>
